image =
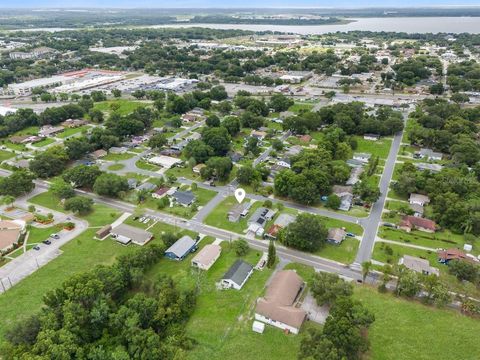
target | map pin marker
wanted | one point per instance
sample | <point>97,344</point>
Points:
<point>240,195</point>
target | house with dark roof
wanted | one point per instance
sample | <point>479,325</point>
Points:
<point>183,198</point>
<point>181,248</point>
<point>161,192</point>
<point>147,186</point>
<point>237,275</point>
<point>239,211</point>
<point>278,306</point>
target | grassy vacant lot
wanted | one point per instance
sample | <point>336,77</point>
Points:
<point>125,107</point>
<point>378,148</point>
<point>405,330</point>
<point>142,164</point>
<point>297,107</point>
<point>440,239</point>
<point>44,142</point>
<point>344,253</point>
<point>185,172</point>
<point>390,253</point>
<point>116,167</point>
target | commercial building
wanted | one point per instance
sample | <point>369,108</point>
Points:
<point>10,233</point>
<point>164,161</point>
<point>278,306</point>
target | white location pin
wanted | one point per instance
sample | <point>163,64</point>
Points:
<point>240,195</point>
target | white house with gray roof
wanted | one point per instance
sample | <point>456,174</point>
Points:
<point>237,275</point>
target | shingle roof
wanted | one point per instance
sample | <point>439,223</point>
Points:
<point>238,272</point>
<point>279,300</point>
<point>207,254</point>
<point>135,234</point>
<point>181,246</point>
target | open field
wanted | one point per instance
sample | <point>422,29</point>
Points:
<point>125,107</point>
<point>44,142</point>
<point>5,155</point>
<point>118,157</point>
<point>379,148</point>
<point>71,131</point>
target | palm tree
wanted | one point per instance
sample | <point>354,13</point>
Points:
<point>9,200</point>
<point>366,266</point>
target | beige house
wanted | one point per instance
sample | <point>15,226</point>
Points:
<point>207,256</point>
<point>10,232</point>
<point>278,306</point>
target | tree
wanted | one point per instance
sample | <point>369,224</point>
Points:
<point>252,146</point>
<point>18,183</point>
<point>213,121</point>
<point>82,176</point>
<point>76,148</point>
<point>271,255</point>
<point>8,200</point>
<point>96,115</point>
<point>247,174</point>
<point>198,150</point>
<point>333,202</point>
<point>50,162</point>
<point>62,189</point>
<point>408,284</point>
<point>157,141</point>
<point>232,124</point>
<point>277,145</point>
<point>220,167</point>
<point>279,102</point>
<point>306,233</point>
<point>327,288</point>
<point>366,266</point>
<point>367,191</point>
<point>218,139</point>
<point>464,270</point>
<point>79,204</point>
<point>240,247</point>
<point>110,185</point>
<point>116,93</point>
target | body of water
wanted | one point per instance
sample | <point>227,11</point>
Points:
<point>401,24</point>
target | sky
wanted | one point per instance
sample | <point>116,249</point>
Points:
<point>230,3</point>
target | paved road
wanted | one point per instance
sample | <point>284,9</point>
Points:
<point>30,261</point>
<point>371,225</point>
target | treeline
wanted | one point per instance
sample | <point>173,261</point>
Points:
<point>110,312</point>
<point>224,19</point>
<point>448,128</point>
<point>352,118</point>
<point>464,76</point>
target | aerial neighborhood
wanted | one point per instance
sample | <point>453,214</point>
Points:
<point>174,187</point>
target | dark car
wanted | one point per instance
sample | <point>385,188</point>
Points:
<point>36,247</point>
<point>47,242</point>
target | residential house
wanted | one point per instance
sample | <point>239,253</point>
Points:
<point>197,169</point>
<point>419,199</point>
<point>278,306</point>
<point>74,123</point>
<point>98,154</point>
<point>235,157</point>
<point>166,162</point>
<point>237,275</point>
<point>161,192</point>
<point>304,138</point>
<point>371,137</point>
<point>10,233</point>
<point>146,186</point>
<point>260,135</point>
<point>363,157</point>
<point>207,256</point>
<point>180,145</point>
<point>345,193</point>
<point>132,183</point>
<point>284,163</point>
<point>118,150</point>
<point>48,130</point>
<point>183,198</point>
<point>239,211</point>
<point>355,163</point>
<point>418,265</point>
<point>181,248</point>
<point>429,154</point>
<point>282,221</point>
<point>125,234</point>
<point>293,150</point>
<point>256,223</point>
<point>410,223</point>
<point>336,235</point>
<point>447,255</point>
<point>434,168</point>
<point>354,175</point>
<point>418,210</point>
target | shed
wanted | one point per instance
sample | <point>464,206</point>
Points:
<point>103,232</point>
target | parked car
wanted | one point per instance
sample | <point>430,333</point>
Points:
<point>350,234</point>
<point>36,247</point>
<point>55,236</point>
<point>47,242</point>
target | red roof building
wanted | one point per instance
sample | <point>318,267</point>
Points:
<point>446,255</point>
<point>410,223</point>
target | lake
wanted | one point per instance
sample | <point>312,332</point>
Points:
<point>400,24</point>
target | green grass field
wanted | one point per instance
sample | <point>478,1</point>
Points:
<point>44,142</point>
<point>71,131</point>
<point>379,148</point>
<point>142,164</point>
<point>118,157</point>
<point>5,155</point>
<point>116,167</point>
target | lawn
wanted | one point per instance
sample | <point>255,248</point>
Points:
<point>44,142</point>
<point>390,253</point>
<point>116,167</point>
<point>218,217</point>
<point>379,148</point>
<point>71,131</point>
<point>344,253</point>
<point>297,107</point>
<point>142,164</point>
<point>118,157</point>
<point>16,147</point>
<point>185,172</point>
<point>125,107</point>
<point>5,155</point>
